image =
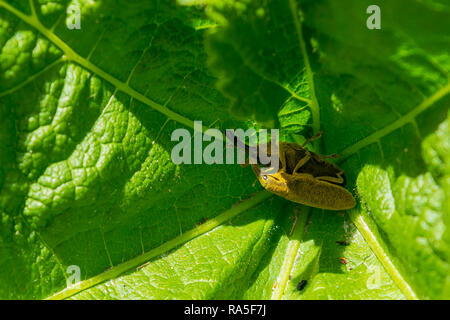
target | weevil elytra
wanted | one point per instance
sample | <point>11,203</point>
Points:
<point>304,177</point>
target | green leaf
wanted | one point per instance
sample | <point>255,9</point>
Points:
<point>86,177</point>
<point>383,97</point>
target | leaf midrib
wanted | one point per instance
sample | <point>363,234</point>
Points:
<point>299,226</point>
<point>400,122</point>
<point>315,110</point>
<point>167,246</point>
<point>362,221</point>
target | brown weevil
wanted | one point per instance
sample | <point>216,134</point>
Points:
<point>304,177</point>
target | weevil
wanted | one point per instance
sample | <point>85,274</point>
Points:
<point>301,285</point>
<point>304,176</point>
<point>343,242</point>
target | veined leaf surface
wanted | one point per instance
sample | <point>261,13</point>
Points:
<point>86,177</point>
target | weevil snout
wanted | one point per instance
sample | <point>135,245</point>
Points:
<point>271,182</point>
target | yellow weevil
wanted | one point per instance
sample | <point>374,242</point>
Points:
<point>304,177</point>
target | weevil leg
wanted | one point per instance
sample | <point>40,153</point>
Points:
<point>341,176</point>
<point>302,161</point>
<point>314,137</point>
<point>295,221</point>
<point>303,175</point>
<point>332,156</point>
<point>338,180</point>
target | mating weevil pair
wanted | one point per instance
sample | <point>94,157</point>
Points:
<point>303,177</point>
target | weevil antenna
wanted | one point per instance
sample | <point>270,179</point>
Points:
<point>251,151</point>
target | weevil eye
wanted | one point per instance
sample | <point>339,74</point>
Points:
<point>264,177</point>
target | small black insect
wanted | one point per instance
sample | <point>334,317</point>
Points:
<point>343,242</point>
<point>301,285</point>
<point>202,221</point>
